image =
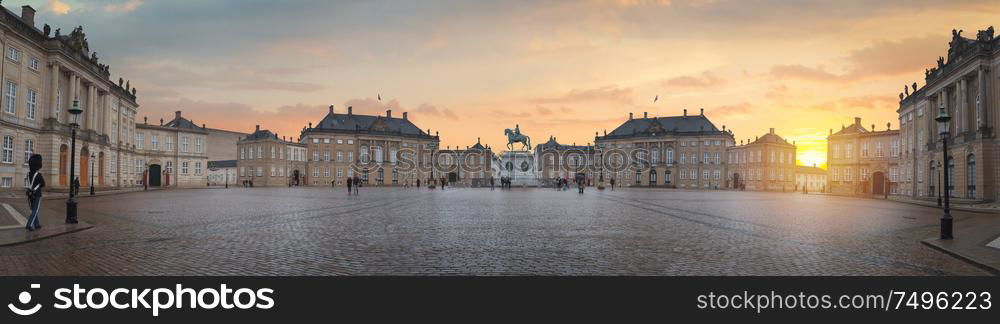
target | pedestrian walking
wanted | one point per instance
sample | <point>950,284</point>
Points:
<point>612,184</point>
<point>418,183</point>
<point>491,183</point>
<point>357,185</point>
<point>76,186</point>
<point>349,186</point>
<point>34,191</point>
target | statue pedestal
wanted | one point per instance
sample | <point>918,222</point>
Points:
<point>520,167</point>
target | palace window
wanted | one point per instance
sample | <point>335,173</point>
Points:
<point>33,63</point>
<point>197,168</point>
<point>970,176</point>
<point>29,149</point>
<point>8,149</point>
<point>197,147</point>
<point>154,142</point>
<point>31,105</point>
<point>260,151</point>
<point>13,54</point>
<point>184,167</point>
<point>260,171</point>
<point>326,155</point>
<point>340,156</point>
<point>10,97</point>
<point>326,172</point>
<point>364,154</point>
<point>273,153</point>
<point>670,156</point>
<point>138,140</point>
<point>184,144</point>
<point>170,145</point>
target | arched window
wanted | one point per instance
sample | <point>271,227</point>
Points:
<point>392,155</point>
<point>364,154</point>
<point>652,177</point>
<point>970,176</point>
<point>670,155</point>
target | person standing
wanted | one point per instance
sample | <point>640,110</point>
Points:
<point>349,180</point>
<point>491,183</point>
<point>357,185</point>
<point>418,183</point>
<point>612,184</point>
<point>34,190</point>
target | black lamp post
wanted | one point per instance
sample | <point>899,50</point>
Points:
<point>74,112</point>
<point>92,157</point>
<point>946,221</point>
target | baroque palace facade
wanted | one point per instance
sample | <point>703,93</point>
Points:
<point>677,151</point>
<point>43,74</point>
<point>964,84</point>
<point>766,164</point>
<point>379,150</point>
<point>862,161</point>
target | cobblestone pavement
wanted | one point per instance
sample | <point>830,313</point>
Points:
<point>322,231</point>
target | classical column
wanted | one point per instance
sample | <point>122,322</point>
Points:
<point>53,90</point>
<point>981,101</point>
<point>107,113</point>
<point>960,105</point>
<point>92,104</point>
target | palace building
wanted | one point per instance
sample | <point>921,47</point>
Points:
<point>810,179</point>
<point>557,160</point>
<point>766,164</point>
<point>174,154</point>
<point>964,84</point>
<point>380,150</point>
<point>266,160</point>
<point>862,161</point>
<point>44,73</point>
<point>469,167</point>
<point>684,151</point>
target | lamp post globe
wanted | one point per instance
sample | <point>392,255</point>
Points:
<point>74,114</point>
<point>946,220</point>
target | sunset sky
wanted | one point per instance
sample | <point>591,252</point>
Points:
<point>558,68</point>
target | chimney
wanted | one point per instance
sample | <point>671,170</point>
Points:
<point>331,109</point>
<point>177,114</point>
<point>703,111</point>
<point>388,113</point>
<point>405,117</point>
<point>310,125</point>
<point>258,128</point>
<point>203,125</point>
<point>629,116</point>
<point>857,121</point>
<point>772,130</point>
<point>350,110</point>
<point>161,121</point>
<point>685,112</point>
<point>645,114</point>
<point>28,15</point>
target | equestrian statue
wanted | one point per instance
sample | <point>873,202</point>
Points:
<point>515,136</point>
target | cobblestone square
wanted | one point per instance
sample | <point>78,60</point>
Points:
<point>474,231</point>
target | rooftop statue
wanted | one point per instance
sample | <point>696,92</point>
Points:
<point>985,35</point>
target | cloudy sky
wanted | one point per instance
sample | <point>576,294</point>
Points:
<point>558,68</point>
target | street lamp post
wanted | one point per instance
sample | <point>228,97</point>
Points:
<point>92,157</point>
<point>74,112</point>
<point>946,220</point>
